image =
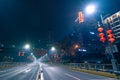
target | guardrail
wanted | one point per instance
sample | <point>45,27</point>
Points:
<point>4,65</point>
<point>94,67</point>
<point>91,66</point>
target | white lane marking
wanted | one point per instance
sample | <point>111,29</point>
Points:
<point>41,74</point>
<point>3,71</point>
<point>32,75</point>
<point>14,72</point>
<point>27,70</point>
<point>42,78</point>
<point>72,76</point>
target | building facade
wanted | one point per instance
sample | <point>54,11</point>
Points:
<point>113,22</point>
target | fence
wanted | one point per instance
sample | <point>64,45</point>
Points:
<point>4,65</point>
<point>90,66</point>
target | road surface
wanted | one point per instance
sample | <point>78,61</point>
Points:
<point>26,72</point>
<point>52,72</point>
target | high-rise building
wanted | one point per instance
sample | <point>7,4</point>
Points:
<point>113,22</point>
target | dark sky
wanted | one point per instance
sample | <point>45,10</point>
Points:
<point>22,20</point>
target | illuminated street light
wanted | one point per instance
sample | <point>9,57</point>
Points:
<point>90,9</point>
<point>53,48</point>
<point>76,46</point>
<point>27,46</point>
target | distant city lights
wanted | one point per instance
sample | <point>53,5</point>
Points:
<point>84,50</point>
<point>92,33</point>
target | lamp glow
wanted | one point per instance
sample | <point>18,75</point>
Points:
<point>27,46</point>
<point>90,9</point>
<point>53,48</point>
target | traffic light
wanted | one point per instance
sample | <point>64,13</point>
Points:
<point>18,53</point>
<point>22,53</point>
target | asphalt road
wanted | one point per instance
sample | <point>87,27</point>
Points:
<point>26,72</point>
<point>50,72</point>
<point>56,72</point>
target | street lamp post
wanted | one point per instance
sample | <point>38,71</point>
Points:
<point>91,9</point>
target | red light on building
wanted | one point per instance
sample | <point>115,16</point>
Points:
<point>80,17</point>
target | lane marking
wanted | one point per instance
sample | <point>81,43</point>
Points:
<point>42,78</point>
<point>32,75</point>
<point>41,74</point>
<point>72,76</point>
<point>15,72</point>
<point>27,70</point>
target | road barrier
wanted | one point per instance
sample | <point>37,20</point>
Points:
<point>40,73</point>
<point>90,66</point>
<point>5,65</point>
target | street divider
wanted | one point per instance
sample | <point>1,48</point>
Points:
<point>40,73</point>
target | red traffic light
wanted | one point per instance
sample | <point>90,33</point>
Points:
<point>18,53</point>
<point>22,53</point>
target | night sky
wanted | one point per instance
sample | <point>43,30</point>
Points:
<point>22,20</point>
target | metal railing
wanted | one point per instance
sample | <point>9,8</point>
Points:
<point>5,65</point>
<point>91,66</point>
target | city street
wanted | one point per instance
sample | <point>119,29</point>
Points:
<point>59,40</point>
<point>49,72</point>
<point>27,72</point>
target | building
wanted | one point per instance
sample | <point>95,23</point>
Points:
<point>113,22</point>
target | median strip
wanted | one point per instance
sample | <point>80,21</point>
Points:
<point>40,73</point>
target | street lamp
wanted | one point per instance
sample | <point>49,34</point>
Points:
<point>27,46</point>
<point>90,9</point>
<point>53,49</point>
